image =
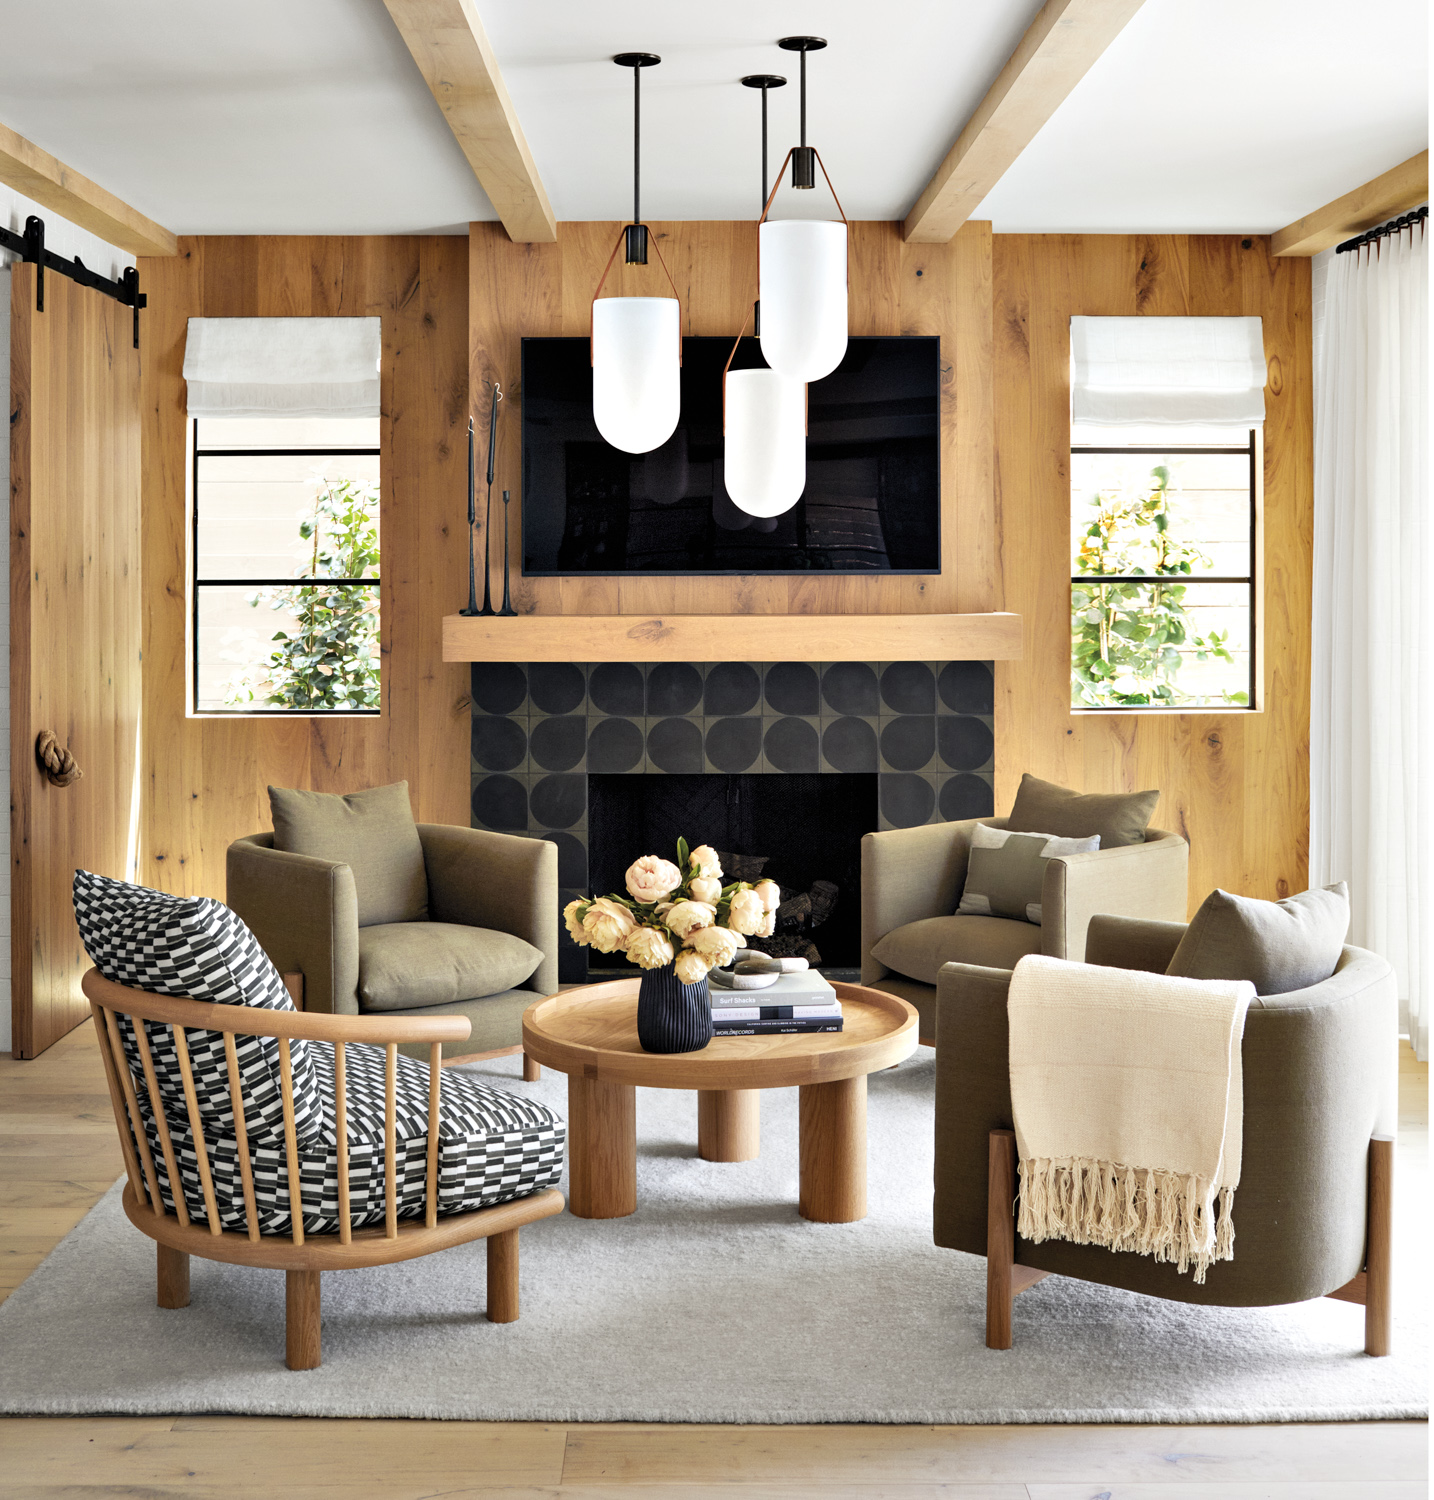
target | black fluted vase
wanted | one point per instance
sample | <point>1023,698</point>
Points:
<point>672,1016</point>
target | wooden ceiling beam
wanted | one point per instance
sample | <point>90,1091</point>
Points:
<point>451,49</point>
<point>53,185</point>
<point>1059,48</point>
<point>1387,196</point>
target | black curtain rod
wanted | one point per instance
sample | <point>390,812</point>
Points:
<point>30,247</point>
<point>1394,226</point>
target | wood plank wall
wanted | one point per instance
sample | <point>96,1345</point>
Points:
<point>205,778</point>
<point>75,610</point>
<point>1235,784</point>
<point>518,291</point>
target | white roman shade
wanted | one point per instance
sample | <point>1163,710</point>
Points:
<point>1207,372</point>
<point>283,367</point>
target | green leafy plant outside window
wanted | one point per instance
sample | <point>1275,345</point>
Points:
<point>328,660</point>
<point>1131,636</point>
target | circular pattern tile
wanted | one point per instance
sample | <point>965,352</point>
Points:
<point>908,743</point>
<point>498,687</point>
<point>498,744</point>
<point>556,687</point>
<point>572,859</point>
<point>558,744</point>
<point>673,687</point>
<point>907,801</point>
<point>967,687</point>
<point>734,744</point>
<point>616,688</point>
<point>850,744</point>
<point>559,801</point>
<point>501,803</point>
<point>791,745</point>
<point>793,688</point>
<point>849,687</point>
<point>965,744</point>
<point>614,746</point>
<point>732,688</point>
<point>909,687</point>
<point>966,797</point>
<point>675,746</point>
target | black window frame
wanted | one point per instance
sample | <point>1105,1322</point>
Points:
<point>197,583</point>
<point>1252,448</point>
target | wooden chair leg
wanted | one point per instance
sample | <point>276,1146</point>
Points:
<point>1000,1237</point>
<point>173,1269</point>
<point>532,1072</point>
<point>302,1320</point>
<point>503,1277</point>
<point>1379,1246</point>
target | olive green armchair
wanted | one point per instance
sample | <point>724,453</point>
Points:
<point>488,948</point>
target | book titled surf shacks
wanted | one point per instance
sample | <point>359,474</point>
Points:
<point>795,1004</point>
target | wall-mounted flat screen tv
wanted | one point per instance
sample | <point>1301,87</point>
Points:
<point>872,502</point>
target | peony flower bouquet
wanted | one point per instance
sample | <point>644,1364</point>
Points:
<point>680,914</point>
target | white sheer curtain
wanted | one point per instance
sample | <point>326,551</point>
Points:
<point>1372,706</point>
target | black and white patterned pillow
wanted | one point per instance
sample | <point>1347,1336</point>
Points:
<point>195,947</point>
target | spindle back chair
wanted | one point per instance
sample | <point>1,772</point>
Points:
<point>301,1257</point>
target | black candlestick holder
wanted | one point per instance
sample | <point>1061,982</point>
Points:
<point>507,608</point>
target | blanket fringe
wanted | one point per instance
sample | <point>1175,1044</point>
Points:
<point>1173,1216</point>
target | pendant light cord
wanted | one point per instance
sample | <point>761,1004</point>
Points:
<point>636,145</point>
<point>764,145</point>
<point>803,57</point>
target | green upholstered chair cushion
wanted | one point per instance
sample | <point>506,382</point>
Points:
<point>403,965</point>
<point>920,948</point>
<point>1278,946</point>
<point>1118,817</point>
<point>372,832</point>
<point>1007,871</point>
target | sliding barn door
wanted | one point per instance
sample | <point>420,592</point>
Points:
<point>74,628</point>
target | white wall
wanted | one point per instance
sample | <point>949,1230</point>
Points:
<point>64,239</point>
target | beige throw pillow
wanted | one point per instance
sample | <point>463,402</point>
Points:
<point>1007,870</point>
<point>1278,946</point>
<point>1117,817</point>
<point>371,832</point>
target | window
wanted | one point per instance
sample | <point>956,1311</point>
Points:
<point>286,564</point>
<point>1163,569</point>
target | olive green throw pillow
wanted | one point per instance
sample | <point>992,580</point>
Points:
<point>371,832</point>
<point>1007,870</point>
<point>1278,946</point>
<point>1118,817</point>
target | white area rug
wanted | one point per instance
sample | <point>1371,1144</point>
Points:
<point>714,1302</point>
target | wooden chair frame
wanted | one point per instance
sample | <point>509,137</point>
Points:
<point>302,1258</point>
<point>1006,1277</point>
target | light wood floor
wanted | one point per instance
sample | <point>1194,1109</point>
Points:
<point>59,1152</point>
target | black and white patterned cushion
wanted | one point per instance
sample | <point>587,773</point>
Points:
<point>493,1146</point>
<point>195,947</point>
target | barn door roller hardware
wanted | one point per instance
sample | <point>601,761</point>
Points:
<point>30,247</point>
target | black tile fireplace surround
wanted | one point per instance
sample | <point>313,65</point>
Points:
<point>922,730</point>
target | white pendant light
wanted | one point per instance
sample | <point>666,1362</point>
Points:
<point>636,342</point>
<point>765,459</point>
<point>802,266</point>
<point>764,413</point>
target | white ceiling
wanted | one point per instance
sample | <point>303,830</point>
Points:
<point>308,116</point>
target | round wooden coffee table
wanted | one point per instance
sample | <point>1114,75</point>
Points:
<point>590,1033</point>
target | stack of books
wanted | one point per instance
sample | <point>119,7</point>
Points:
<point>795,1003</point>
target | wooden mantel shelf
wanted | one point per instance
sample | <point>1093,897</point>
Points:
<point>992,637</point>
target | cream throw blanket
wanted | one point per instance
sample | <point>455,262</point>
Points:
<point>1127,1096</point>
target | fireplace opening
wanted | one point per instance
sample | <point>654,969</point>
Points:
<point>808,827</point>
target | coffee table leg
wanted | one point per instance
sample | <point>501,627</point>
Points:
<point>602,1148</point>
<point>833,1151</point>
<point>729,1124</point>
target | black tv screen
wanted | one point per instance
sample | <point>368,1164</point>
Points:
<point>872,502</point>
